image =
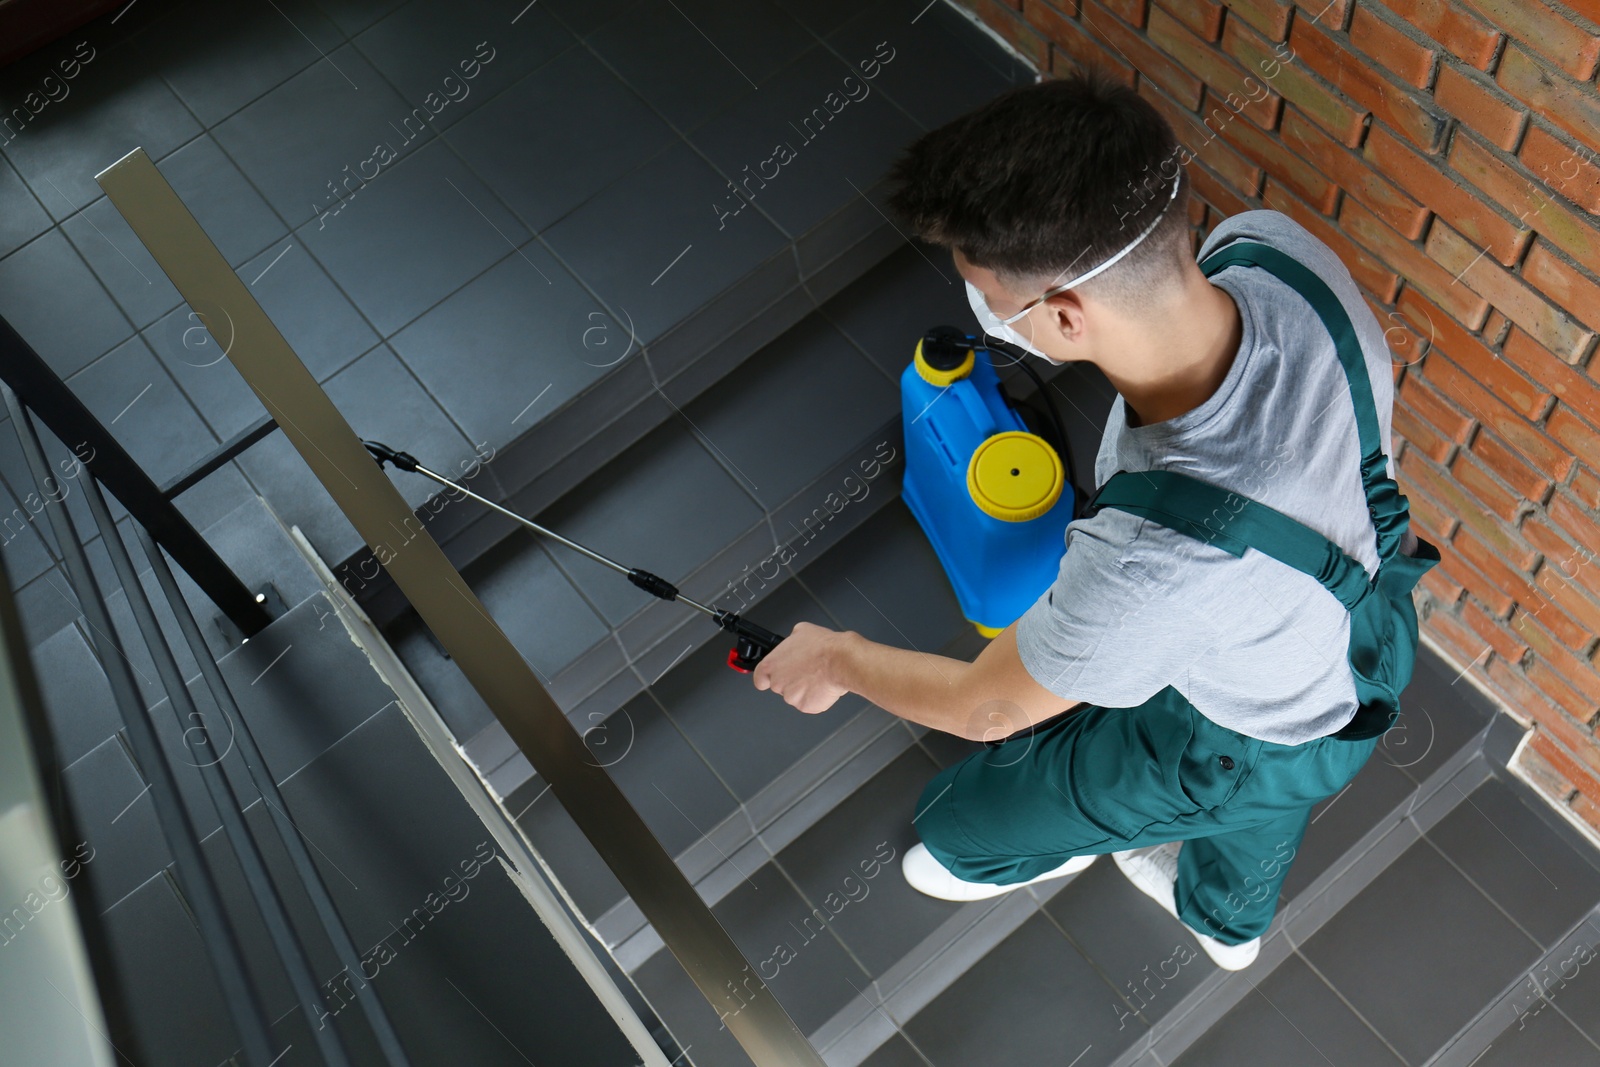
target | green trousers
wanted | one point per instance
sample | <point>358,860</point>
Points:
<point>1110,779</point>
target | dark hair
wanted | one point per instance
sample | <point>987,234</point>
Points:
<point>1051,180</point>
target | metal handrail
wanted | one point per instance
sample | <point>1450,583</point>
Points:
<point>506,682</point>
<point>243,1000</point>
<point>274,916</point>
<point>57,1013</point>
<point>218,459</point>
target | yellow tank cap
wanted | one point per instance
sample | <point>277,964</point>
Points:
<point>941,378</point>
<point>1015,476</point>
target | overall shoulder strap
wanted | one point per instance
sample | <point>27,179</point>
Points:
<point>1386,505</point>
<point>1231,522</point>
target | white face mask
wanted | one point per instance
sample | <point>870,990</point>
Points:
<point>991,326</point>
<point>994,326</point>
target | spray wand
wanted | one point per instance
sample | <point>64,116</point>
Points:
<point>752,642</point>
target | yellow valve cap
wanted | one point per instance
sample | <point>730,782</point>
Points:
<point>941,378</point>
<point>1015,476</point>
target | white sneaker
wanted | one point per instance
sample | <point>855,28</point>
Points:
<point>927,875</point>
<point>1155,871</point>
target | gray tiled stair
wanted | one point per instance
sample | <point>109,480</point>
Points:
<point>1074,963</point>
<point>707,499</point>
<point>544,271</point>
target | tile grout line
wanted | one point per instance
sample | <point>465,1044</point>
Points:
<point>1357,1012</point>
<point>1473,882</point>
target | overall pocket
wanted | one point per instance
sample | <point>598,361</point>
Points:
<point>1125,763</point>
<point>1215,762</point>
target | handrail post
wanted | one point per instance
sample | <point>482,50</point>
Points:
<point>48,397</point>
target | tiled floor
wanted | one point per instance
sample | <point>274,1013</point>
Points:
<point>554,189</point>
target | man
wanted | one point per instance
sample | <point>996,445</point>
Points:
<point>1203,686</point>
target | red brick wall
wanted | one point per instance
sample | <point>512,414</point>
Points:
<point>1446,150</point>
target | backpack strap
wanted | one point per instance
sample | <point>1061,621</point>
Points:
<point>1383,625</point>
<point>1385,503</point>
<point>1233,523</point>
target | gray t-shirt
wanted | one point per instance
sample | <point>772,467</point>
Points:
<point>1254,644</point>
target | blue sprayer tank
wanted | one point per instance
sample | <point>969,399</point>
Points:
<point>991,496</point>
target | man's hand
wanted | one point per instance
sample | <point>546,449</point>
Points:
<point>800,669</point>
<point>988,699</point>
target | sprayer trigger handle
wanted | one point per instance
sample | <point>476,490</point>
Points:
<point>747,652</point>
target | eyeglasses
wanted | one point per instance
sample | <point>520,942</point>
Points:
<point>1080,279</point>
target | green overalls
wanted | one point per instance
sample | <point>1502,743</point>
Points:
<point>1108,779</point>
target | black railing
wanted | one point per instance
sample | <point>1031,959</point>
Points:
<point>33,388</point>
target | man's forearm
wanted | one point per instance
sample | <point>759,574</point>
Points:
<point>918,686</point>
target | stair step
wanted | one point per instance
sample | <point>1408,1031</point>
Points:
<point>805,236</point>
<point>918,971</point>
